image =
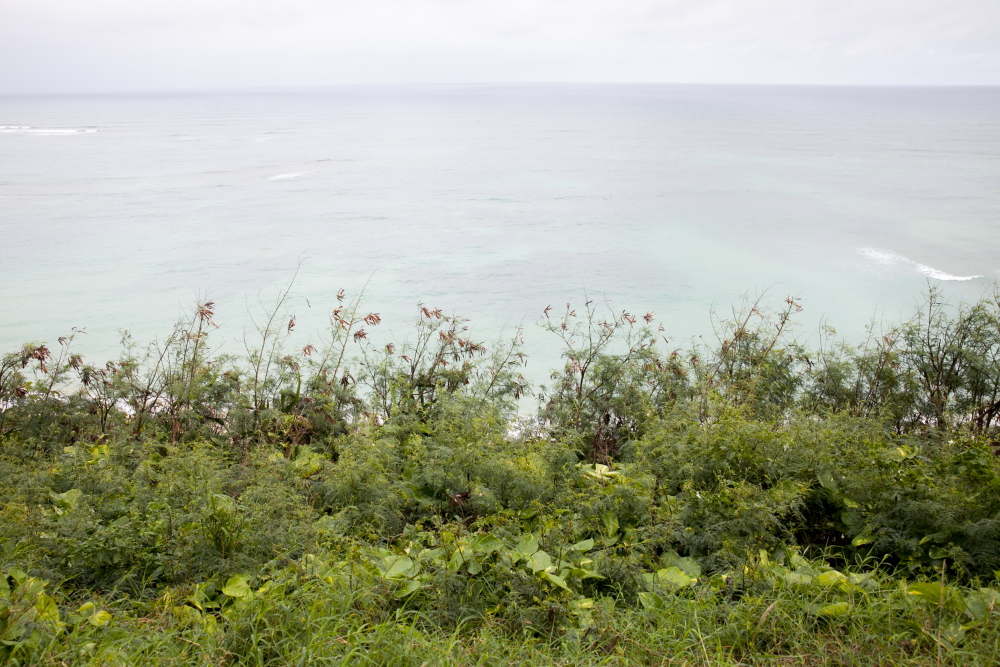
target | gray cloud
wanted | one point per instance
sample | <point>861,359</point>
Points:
<point>67,45</point>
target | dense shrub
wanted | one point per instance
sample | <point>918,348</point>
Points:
<point>353,500</point>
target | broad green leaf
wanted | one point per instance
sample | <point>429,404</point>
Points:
<point>485,544</point>
<point>203,596</point>
<point>237,587</point>
<point>863,538</point>
<point>980,603</point>
<point>777,570</point>
<point>798,578</point>
<point>901,453</point>
<point>527,546</point>
<point>673,576</point>
<point>408,588</point>
<point>953,633</point>
<point>46,609</point>
<point>67,500</point>
<point>651,600</point>
<point>976,608</point>
<point>719,581</point>
<point>933,593</point>
<point>835,609</point>
<point>831,578</point>
<point>676,576</point>
<point>396,568</point>
<point>555,579</point>
<point>583,573</point>
<point>100,619</point>
<point>430,554</point>
<point>858,577</point>
<point>456,561</point>
<point>186,614</point>
<point>827,480</point>
<point>600,471</point>
<point>539,561</point>
<point>269,586</point>
<point>209,625</point>
<point>610,521</point>
<point>687,565</point>
<point>32,586</point>
<point>585,545</point>
<point>927,591</point>
<point>473,566</point>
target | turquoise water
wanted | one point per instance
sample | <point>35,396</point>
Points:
<point>493,202</point>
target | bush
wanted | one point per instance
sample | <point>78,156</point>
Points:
<point>710,505</point>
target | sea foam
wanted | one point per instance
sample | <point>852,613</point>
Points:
<point>890,258</point>
<point>27,129</point>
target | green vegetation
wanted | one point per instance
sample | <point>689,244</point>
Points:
<point>750,501</point>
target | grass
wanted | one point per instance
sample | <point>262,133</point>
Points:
<point>751,503</point>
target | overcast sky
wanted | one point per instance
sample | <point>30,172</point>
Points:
<point>119,45</point>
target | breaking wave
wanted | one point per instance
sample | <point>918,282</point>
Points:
<point>27,129</point>
<point>890,258</point>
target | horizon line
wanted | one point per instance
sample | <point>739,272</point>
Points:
<point>472,84</point>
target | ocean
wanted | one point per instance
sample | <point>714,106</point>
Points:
<point>491,201</point>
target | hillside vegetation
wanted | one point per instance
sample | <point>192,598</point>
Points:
<point>753,500</point>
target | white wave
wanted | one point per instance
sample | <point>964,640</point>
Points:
<point>882,256</point>
<point>890,258</point>
<point>931,272</point>
<point>27,129</point>
<point>285,177</point>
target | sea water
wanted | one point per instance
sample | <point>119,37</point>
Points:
<point>491,201</point>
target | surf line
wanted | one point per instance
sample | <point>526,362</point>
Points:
<point>890,258</point>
